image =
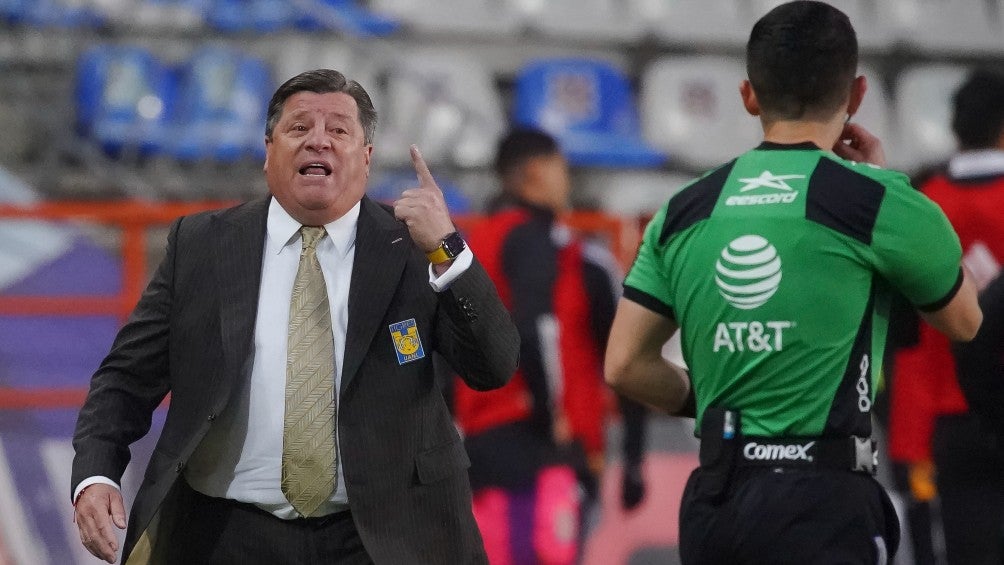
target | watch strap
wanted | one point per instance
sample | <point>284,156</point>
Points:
<point>438,255</point>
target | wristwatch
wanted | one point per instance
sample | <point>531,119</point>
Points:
<point>451,246</point>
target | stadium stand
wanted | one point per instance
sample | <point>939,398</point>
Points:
<point>923,115</point>
<point>474,17</point>
<point>693,111</point>
<point>944,27</point>
<point>444,101</point>
<point>594,20</point>
<point>50,13</point>
<point>716,24</point>
<point>221,105</point>
<point>124,96</point>
<point>589,106</point>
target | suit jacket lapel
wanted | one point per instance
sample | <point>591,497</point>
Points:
<point>238,277</point>
<point>382,247</point>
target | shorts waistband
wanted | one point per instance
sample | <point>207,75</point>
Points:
<point>848,453</point>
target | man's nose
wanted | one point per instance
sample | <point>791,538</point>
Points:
<point>318,139</point>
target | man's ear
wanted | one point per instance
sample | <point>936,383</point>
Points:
<point>268,147</point>
<point>750,102</point>
<point>858,88</point>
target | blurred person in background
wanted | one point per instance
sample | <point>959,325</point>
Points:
<point>295,336</point>
<point>932,427</point>
<point>980,364</point>
<point>534,441</point>
<point>778,268</point>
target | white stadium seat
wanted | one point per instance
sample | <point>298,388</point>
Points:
<point>444,101</point>
<point>923,98</point>
<point>691,109</point>
<point>686,22</point>
<point>605,20</point>
<point>296,53</point>
<point>961,27</point>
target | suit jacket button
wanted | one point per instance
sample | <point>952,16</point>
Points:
<point>211,417</point>
<point>468,309</point>
<point>179,467</point>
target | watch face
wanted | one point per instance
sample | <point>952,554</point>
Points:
<point>454,244</point>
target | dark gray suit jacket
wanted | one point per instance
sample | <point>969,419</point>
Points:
<point>191,336</point>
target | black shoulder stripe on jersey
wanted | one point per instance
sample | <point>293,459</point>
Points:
<point>695,202</point>
<point>939,304</point>
<point>648,301</point>
<point>843,200</point>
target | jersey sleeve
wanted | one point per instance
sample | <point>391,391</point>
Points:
<point>646,282</point>
<point>916,248</point>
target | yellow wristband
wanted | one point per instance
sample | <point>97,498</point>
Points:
<point>438,256</point>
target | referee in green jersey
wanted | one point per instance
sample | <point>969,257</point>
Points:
<point>778,268</point>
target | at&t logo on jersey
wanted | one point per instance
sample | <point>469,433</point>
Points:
<point>782,193</point>
<point>748,273</point>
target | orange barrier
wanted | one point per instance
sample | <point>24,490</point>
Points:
<point>134,219</point>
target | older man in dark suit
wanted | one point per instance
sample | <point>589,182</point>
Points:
<point>295,335</point>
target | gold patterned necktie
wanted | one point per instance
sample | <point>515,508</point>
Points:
<point>308,432</point>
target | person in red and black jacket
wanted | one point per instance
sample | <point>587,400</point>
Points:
<point>561,291</point>
<point>930,418</point>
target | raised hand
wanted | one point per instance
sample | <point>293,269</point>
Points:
<point>423,208</point>
<point>98,507</point>
<point>858,144</point>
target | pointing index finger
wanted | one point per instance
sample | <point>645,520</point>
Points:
<point>424,175</point>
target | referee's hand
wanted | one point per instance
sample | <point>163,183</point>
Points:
<point>858,144</point>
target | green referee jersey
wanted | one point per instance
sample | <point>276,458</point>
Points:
<point>779,267</point>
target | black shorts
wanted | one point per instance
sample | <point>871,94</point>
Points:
<point>788,515</point>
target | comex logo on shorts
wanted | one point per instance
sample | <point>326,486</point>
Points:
<point>748,272</point>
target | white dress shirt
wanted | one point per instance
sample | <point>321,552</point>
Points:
<point>240,457</point>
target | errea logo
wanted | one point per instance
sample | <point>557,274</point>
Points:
<point>748,272</point>
<point>783,192</point>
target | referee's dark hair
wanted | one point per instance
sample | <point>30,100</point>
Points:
<point>978,110</point>
<point>801,59</point>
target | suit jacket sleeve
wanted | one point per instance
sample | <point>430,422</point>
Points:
<point>475,333</point>
<point>129,384</point>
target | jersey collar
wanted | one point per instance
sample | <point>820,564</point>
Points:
<point>771,146</point>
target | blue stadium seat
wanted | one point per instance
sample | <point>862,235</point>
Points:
<point>345,16</point>
<point>124,97</point>
<point>589,106</point>
<point>50,13</point>
<point>389,186</point>
<point>479,18</point>
<point>257,16</point>
<point>222,102</point>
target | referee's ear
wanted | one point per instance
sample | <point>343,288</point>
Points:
<point>750,101</point>
<point>858,88</point>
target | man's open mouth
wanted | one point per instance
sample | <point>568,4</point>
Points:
<point>315,169</point>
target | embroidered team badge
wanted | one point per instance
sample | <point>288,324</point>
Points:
<point>407,343</point>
